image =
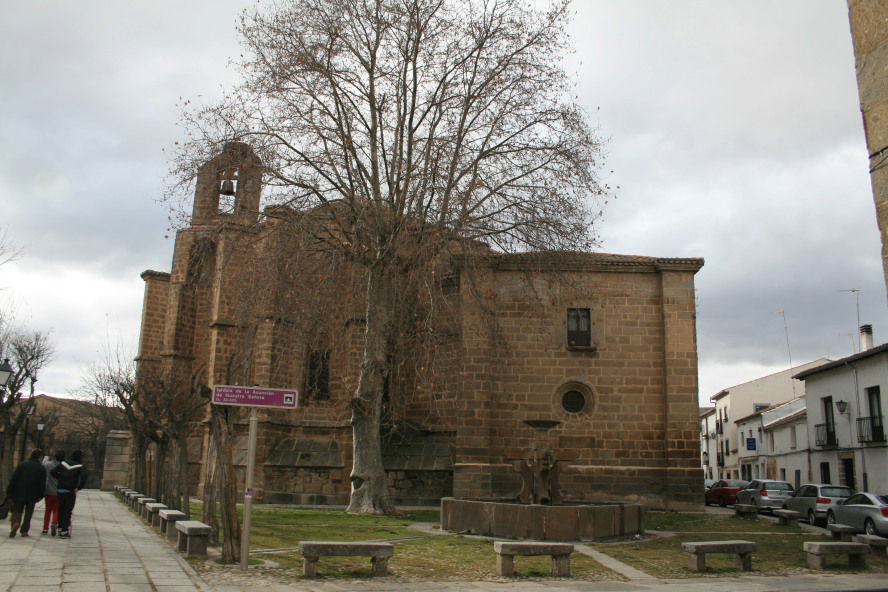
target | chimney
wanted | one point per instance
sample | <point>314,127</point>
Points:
<point>866,337</point>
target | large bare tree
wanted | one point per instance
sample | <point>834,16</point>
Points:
<point>418,125</point>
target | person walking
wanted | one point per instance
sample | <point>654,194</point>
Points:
<point>25,489</point>
<point>72,478</point>
<point>51,495</point>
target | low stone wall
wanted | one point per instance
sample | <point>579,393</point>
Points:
<point>543,523</point>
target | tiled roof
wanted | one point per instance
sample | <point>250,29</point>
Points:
<point>873,351</point>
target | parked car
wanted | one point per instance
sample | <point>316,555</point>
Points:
<point>814,500</point>
<point>707,483</point>
<point>724,492</point>
<point>866,512</point>
<point>766,494</point>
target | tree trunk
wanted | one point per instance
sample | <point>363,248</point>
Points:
<point>182,466</point>
<point>223,431</point>
<point>6,464</point>
<point>161,453</point>
<point>211,486</point>
<point>369,494</point>
<point>139,463</point>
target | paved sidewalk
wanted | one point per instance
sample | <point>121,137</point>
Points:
<point>112,550</point>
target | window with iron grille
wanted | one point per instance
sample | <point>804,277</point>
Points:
<point>579,327</point>
<point>318,380</point>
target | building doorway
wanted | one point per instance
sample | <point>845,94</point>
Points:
<point>848,473</point>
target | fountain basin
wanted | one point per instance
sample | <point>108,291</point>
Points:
<point>580,522</point>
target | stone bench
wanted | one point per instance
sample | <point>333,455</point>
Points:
<point>168,519</point>
<point>697,553</point>
<point>746,511</point>
<point>506,552</point>
<point>131,497</point>
<point>151,513</point>
<point>787,517</point>
<point>878,545</point>
<point>140,505</point>
<point>841,532</point>
<point>121,493</point>
<point>193,537</point>
<point>311,551</point>
<point>817,553</point>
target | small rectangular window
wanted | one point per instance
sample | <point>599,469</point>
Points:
<point>792,437</point>
<point>579,327</point>
<point>318,381</point>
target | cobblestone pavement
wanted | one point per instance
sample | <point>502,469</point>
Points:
<point>112,550</point>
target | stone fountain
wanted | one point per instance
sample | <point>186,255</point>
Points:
<point>537,512</point>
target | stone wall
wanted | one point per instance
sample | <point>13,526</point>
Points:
<point>635,439</point>
<point>118,451</point>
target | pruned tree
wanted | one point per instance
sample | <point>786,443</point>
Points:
<point>156,411</point>
<point>29,351</point>
<point>419,128</point>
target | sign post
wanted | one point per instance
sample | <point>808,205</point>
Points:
<point>252,397</point>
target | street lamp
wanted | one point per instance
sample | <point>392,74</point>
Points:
<point>41,424</point>
<point>842,406</point>
<point>29,411</point>
<point>5,372</point>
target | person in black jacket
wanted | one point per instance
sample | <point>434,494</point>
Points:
<point>25,489</point>
<point>72,478</point>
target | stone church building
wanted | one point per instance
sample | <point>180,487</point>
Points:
<point>586,360</point>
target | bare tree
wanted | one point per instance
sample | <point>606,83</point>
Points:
<point>8,251</point>
<point>419,127</point>
<point>29,351</point>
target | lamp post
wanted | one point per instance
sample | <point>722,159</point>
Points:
<point>41,424</point>
<point>29,411</point>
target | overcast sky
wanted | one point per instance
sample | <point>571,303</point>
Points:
<point>734,134</point>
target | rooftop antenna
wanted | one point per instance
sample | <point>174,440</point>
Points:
<point>782,313</point>
<point>856,293</point>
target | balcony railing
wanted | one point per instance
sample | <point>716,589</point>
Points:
<point>825,434</point>
<point>870,429</point>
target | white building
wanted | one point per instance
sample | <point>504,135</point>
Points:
<point>742,401</point>
<point>786,438</point>
<point>845,421</point>
<point>751,452</point>
<point>708,448</point>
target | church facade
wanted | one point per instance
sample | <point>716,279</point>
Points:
<point>584,360</point>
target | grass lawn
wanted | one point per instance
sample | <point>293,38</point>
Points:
<point>779,547</point>
<point>422,557</point>
<point>418,556</point>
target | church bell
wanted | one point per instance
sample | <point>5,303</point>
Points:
<point>227,187</point>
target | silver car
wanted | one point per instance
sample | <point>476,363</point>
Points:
<point>866,512</point>
<point>814,500</point>
<point>766,494</point>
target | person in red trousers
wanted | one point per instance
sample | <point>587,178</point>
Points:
<point>51,496</point>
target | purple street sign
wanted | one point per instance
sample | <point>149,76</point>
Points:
<point>254,396</point>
